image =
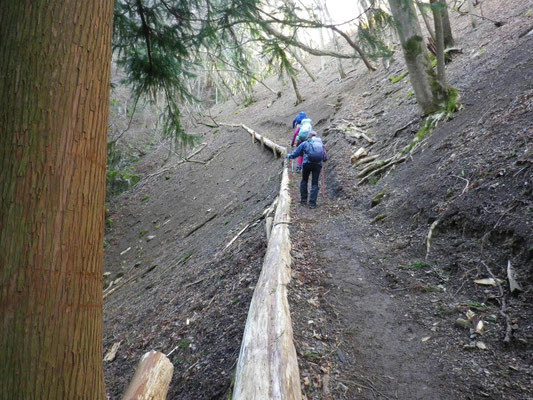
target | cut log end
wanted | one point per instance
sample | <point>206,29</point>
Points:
<point>151,379</point>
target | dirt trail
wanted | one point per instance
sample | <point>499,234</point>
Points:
<point>372,319</point>
<point>377,348</point>
<point>375,320</point>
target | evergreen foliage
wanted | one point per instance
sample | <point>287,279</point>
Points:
<point>372,35</point>
<point>159,45</point>
<point>164,46</point>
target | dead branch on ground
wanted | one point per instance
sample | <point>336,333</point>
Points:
<point>393,134</point>
<point>183,160</point>
<point>395,160</point>
<point>214,156</point>
<point>503,307</point>
<point>350,129</point>
<point>441,216</point>
<point>212,217</point>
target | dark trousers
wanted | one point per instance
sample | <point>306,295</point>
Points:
<point>307,170</point>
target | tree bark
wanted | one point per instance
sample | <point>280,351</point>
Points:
<point>322,46</point>
<point>299,98</point>
<point>54,96</point>
<point>439,33</point>
<point>152,378</point>
<point>327,16</point>
<point>471,12</point>
<point>428,93</point>
<point>297,57</point>
<point>446,27</point>
<point>426,19</point>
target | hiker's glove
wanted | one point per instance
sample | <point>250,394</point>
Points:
<point>287,156</point>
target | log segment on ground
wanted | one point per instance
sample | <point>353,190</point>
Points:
<point>151,379</point>
<point>276,148</point>
<point>267,367</point>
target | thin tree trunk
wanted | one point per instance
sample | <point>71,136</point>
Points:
<point>327,17</point>
<point>439,33</point>
<point>426,20</point>
<point>54,97</point>
<point>302,63</point>
<point>446,27</point>
<point>340,68</point>
<point>299,98</point>
<point>471,12</point>
<point>322,47</point>
<point>369,20</point>
<point>429,95</point>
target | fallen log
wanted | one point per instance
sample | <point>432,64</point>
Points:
<point>360,153</point>
<point>267,367</point>
<point>268,226</point>
<point>357,133</point>
<point>366,160</point>
<point>276,148</point>
<point>151,379</point>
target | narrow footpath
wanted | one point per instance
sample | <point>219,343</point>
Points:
<point>358,337</point>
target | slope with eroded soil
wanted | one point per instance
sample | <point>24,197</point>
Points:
<point>364,328</point>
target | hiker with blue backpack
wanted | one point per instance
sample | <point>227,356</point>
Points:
<point>304,127</point>
<point>314,153</point>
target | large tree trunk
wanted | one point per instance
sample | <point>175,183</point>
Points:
<point>428,92</point>
<point>54,96</point>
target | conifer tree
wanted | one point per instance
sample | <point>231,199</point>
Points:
<point>54,96</point>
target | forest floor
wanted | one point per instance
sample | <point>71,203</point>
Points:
<point>375,314</point>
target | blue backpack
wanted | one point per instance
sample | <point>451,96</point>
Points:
<point>298,119</point>
<point>305,129</point>
<point>315,149</point>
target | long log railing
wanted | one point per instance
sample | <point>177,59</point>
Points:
<point>267,367</point>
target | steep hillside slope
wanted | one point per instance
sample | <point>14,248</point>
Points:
<point>364,327</point>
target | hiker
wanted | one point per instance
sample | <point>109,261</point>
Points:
<point>300,135</point>
<point>296,122</point>
<point>314,153</point>
<point>298,119</point>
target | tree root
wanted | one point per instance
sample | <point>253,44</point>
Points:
<point>503,307</point>
<point>183,160</point>
<point>393,134</point>
<point>430,235</point>
<point>380,166</point>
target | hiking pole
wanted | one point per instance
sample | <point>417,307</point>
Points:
<point>324,182</point>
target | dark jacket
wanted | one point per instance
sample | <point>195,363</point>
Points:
<point>305,147</point>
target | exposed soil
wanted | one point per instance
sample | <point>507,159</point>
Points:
<point>373,317</point>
